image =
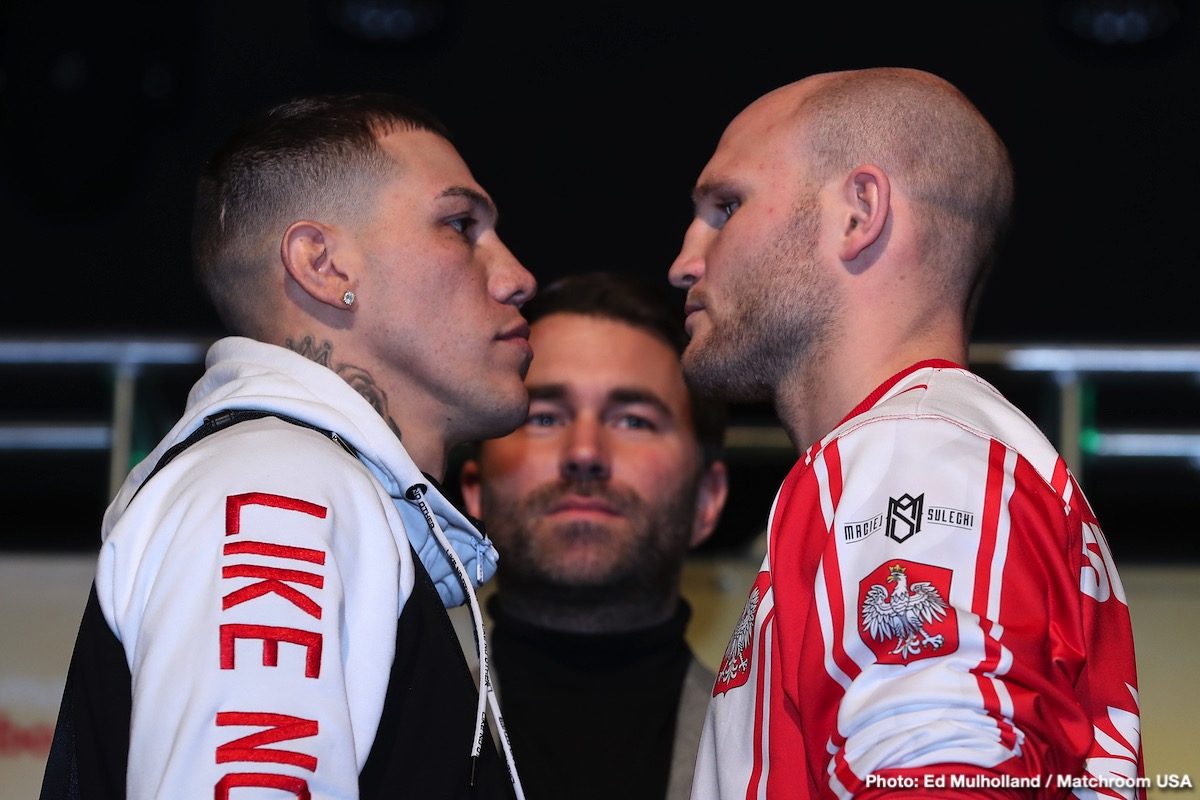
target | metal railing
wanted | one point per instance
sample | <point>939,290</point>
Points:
<point>127,359</point>
<point>1069,367</point>
<point>1072,365</point>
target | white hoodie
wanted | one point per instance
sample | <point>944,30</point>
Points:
<point>255,583</point>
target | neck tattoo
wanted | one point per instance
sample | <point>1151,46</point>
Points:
<point>358,378</point>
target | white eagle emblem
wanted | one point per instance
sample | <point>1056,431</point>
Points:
<point>735,662</point>
<point>904,615</point>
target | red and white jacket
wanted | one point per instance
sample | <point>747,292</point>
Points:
<point>937,612</point>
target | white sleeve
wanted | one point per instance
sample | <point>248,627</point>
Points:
<point>255,586</point>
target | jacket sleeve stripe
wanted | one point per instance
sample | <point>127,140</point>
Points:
<point>757,787</point>
<point>989,571</point>
<point>831,607</point>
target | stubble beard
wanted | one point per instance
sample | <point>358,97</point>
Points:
<point>487,409</point>
<point>480,405</point>
<point>632,572</point>
<point>780,316</point>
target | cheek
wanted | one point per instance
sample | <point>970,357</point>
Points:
<point>723,259</point>
<point>738,239</point>
<point>651,469</point>
<point>431,277</point>
<point>519,463</point>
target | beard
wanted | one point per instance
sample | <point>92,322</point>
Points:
<point>632,561</point>
<point>780,315</point>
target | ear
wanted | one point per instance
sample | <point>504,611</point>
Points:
<point>867,193</point>
<point>711,492</point>
<point>307,254</point>
<point>468,484</point>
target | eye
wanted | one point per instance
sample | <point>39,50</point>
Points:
<point>727,208</point>
<point>717,209</point>
<point>542,419</point>
<point>634,422</point>
<point>464,225</point>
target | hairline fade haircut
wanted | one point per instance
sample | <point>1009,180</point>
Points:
<point>936,147</point>
<point>314,157</point>
<point>649,307</point>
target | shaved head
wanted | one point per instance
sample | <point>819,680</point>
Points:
<point>936,147</point>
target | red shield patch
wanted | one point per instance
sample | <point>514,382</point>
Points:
<point>905,613</point>
<point>739,653</point>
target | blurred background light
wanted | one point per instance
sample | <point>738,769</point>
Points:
<point>1119,22</point>
<point>387,20</point>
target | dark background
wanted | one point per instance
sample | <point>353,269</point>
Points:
<point>588,126</point>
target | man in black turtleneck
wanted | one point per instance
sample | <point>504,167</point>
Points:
<point>594,504</point>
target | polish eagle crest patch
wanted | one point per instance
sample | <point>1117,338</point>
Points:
<point>735,665</point>
<point>904,612</point>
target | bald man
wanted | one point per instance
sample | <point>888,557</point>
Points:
<point>938,611</point>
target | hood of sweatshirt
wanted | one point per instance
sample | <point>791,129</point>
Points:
<point>245,374</point>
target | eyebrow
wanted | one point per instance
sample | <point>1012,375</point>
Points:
<point>623,396</point>
<point>618,396</point>
<point>481,202</point>
<point>709,188</point>
<point>548,391</point>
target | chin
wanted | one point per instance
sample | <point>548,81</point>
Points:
<point>507,412</point>
<point>585,575</point>
<point>724,374</point>
<point>701,369</point>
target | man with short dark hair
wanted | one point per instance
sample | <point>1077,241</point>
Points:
<point>594,504</point>
<point>938,613</point>
<point>268,616</point>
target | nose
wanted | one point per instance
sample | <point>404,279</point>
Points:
<point>508,281</point>
<point>585,455</point>
<point>688,267</point>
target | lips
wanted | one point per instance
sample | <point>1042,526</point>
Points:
<point>694,302</point>
<point>518,336</point>
<point>519,330</point>
<point>690,309</point>
<point>574,503</point>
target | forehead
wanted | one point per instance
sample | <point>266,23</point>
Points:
<point>426,162</point>
<point>757,142</point>
<point>592,355</point>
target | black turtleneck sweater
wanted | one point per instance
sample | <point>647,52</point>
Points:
<point>590,715</point>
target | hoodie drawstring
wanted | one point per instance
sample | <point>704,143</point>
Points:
<point>487,695</point>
